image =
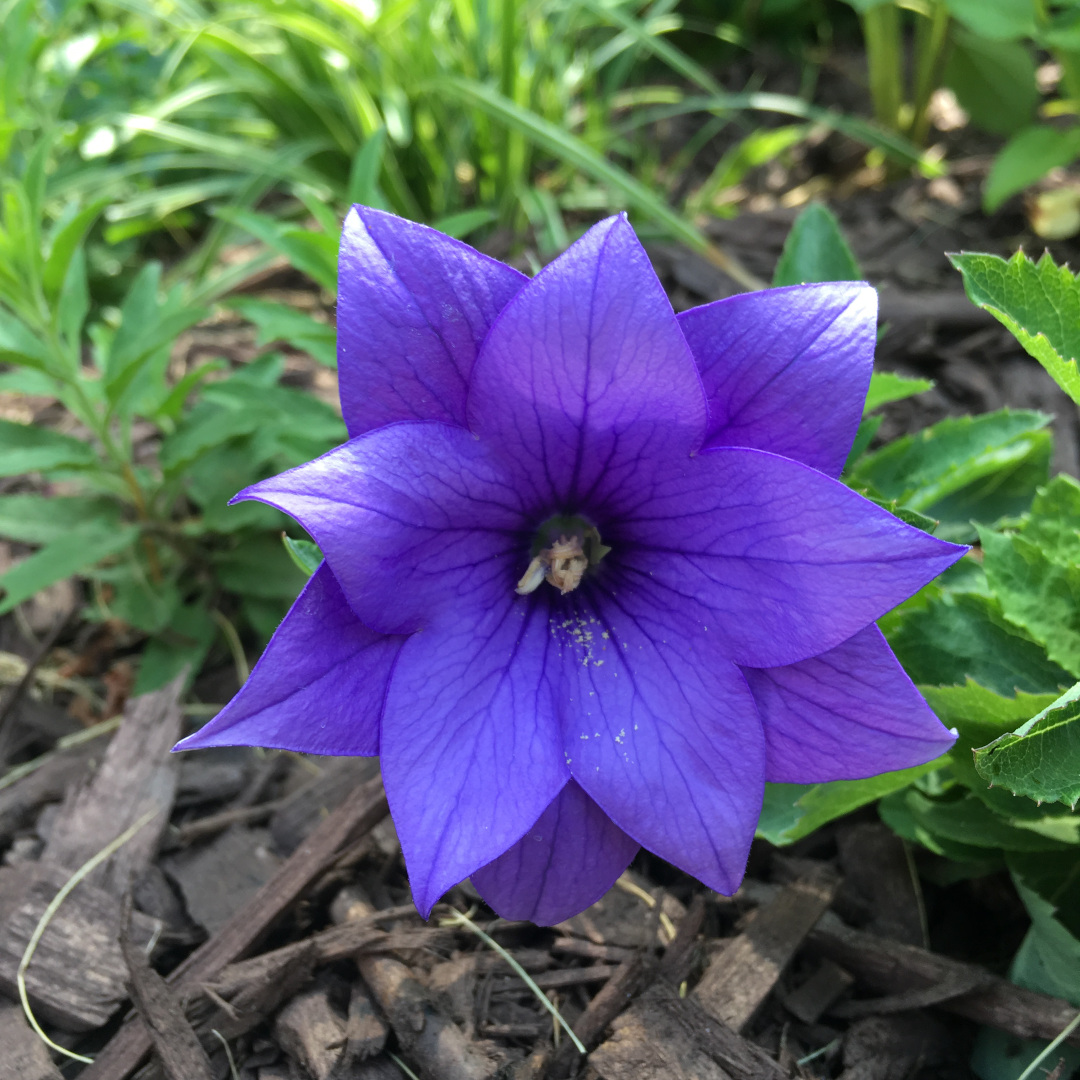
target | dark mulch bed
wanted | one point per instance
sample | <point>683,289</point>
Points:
<point>269,890</point>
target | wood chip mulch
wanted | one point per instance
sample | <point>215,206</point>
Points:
<point>259,926</point>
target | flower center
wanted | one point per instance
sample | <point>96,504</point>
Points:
<point>564,549</point>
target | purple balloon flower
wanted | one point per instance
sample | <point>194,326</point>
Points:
<point>590,579</point>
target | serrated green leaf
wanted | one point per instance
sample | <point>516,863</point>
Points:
<point>1038,302</point>
<point>27,448</point>
<point>59,559</point>
<point>978,712</point>
<point>303,553</point>
<point>886,386</point>
<point>1041,759</point>
<point>957,637</point>
<point>792,811</point>
<point>1054,522</point>
<point>815,250</point>
<point>40,519</point>
<point>968,820</point>
<point>1041,596</point>
<point>922,470</point>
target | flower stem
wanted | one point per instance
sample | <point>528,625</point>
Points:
<point>881,32</point>
<point>931,49</point>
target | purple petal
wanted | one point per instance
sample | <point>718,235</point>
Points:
<point>413,308</point>
<point>319,686</point>
<point>786,370</point>
<point>411,518</point>
<point>776,560</point>
<point>586,372</point>
<point>847,714</point>
<point>471,749</point>
<point>562,865</point>
<point>662,731</point>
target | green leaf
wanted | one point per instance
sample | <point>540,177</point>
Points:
<point>367,164</point>
<point>67,555</point>
<point>1050,891</point>
<point>957,637</point>
<point>1038,302</point>
<point>886,386</point>
<point>467,222</point>
<point>994,81</point>
<point>260,567</point>
<point>279,322</point>
<point>998,20</point>
<point>304,553</point>
<point>184,642</point>
<point>815,250</point>
<point>20,345</point>
<point>922,470</point>
<point>27,448</point>
<point>1041,759</point>
<point>969,821</point>
<point>73,304</point>
<point>1053,525</point>
<point>312,253</point>
<point>979,713</point>
<point>40,519</point>
<point>792,811</point>
<point>65,244</point>
<point>1027,157</point>
<point>1039,595</point>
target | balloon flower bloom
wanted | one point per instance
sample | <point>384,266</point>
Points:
<point>590,578</point>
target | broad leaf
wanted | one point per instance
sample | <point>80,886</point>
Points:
<point>1041,759</point>
<point>998,20</point>
<point>1038,302</point>
<point>954,638</point>
<point>922,470</point>
<point>815,250</point>
<point>1054,522</point>
<point>792,811</point>
<point>40,519</point>
<point>981,714</point>
<point>994,81</point>
<point>1027,157</point>
<point>1041,596</point>
<point>969,821</point>
<point>886,386</point>
<point>26,448</point>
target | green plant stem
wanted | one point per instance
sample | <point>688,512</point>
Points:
<point>931,49</point>
<point>881,32</point>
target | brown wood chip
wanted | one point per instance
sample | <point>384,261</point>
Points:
<point>182,1056</point>
<point>22,1054</point>
<point>742,975</point>
<point>665,1037</point>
